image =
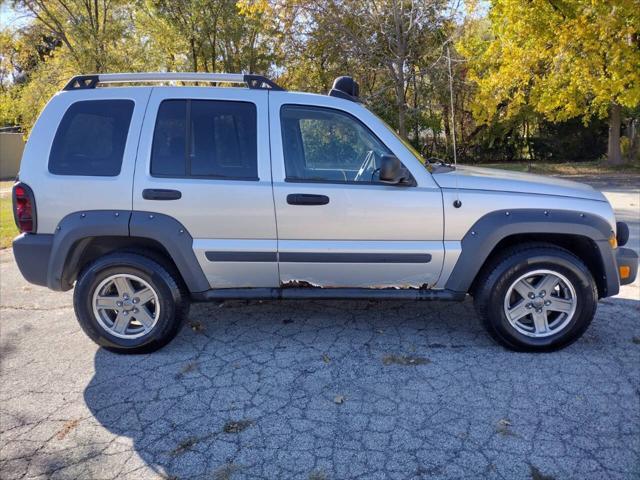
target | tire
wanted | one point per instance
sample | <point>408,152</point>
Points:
<point>129,323</point>
<point>505,287</point>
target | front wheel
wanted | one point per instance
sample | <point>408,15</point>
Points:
<point>129,303</point>
<point>536,298</point>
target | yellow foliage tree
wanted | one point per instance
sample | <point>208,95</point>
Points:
<point>563,58</point>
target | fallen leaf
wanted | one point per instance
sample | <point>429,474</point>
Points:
<point>536,474</point>
<point>197,327</point>
<point>318,475</point>
<point>406,360</point>
<point>237,426</point>
<point>422,471</point>
<point>503,427</point>
<point>185,445</point>
<point>225,472</point>
<point>189,367</point>
<point>66,428</point>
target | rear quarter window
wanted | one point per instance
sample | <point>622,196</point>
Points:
<point>91,138</point>
<point>214,139</point>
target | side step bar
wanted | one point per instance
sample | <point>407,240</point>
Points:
<point>316,293</point>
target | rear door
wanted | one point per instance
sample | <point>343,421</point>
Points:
<point>338,225</point>
<point>204,160</point>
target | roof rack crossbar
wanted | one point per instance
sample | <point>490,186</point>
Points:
<point>82,82</point>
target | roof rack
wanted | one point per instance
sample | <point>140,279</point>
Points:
<point>258,82</point>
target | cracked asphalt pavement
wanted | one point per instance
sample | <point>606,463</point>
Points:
<point>318,390</point>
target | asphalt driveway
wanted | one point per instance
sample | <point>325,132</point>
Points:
<point>318,390</point>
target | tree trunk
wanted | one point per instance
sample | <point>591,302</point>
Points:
<point>415,105</point>
<point>400,101</point>
<point>402,126</point>
<point>194,54</point>
<point>614,155</point>
<point>447,127</point>
<point>633,129</point>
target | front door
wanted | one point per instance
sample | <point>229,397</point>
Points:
<point>338,225</point>
<point>204,161</point>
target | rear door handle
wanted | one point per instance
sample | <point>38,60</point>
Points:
<point>307,199</point>
<point>161,194</point>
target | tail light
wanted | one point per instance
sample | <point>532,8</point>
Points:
<point>24,208</point>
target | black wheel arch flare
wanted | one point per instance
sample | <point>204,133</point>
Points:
<point>486,233</point>
<point>75,231</point>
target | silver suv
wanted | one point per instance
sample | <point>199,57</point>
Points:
<point>149,197</point>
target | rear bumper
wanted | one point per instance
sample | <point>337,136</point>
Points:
<point>32,253</point>
<point>625,257</point>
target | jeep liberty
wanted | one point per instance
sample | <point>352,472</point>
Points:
<point>149,196</point>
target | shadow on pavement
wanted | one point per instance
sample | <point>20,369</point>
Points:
<point>313,390</point>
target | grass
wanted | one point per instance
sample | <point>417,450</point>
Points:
<point>565,168</point>
<point>8,228</point>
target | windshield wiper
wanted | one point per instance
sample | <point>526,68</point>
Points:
<point>434,164</point>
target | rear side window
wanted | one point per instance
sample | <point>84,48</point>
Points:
<point>91,137</point>
<point>205,139</point>
<point>169,144</point>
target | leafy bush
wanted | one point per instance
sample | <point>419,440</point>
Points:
<point>570,141</point>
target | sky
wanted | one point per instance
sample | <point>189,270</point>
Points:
<point>10,17</point>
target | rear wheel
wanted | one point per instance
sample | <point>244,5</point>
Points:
<point>129,303</point>
<point>536,298</point>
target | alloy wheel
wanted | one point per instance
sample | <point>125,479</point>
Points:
<point>540,303</point>
<point>126,306</point>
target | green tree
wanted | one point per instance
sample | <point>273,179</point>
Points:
<point>562,58</point>
<point>22,52</point>
<point>216,35</point>
<point>97,35</point>
<point>387,44</point>
<point>66,37</point>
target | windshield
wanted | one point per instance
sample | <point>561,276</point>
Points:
<point>405,143</point>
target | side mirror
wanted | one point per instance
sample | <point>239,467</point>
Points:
<point>392,171</point>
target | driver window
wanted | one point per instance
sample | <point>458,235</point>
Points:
<point>326,145</point>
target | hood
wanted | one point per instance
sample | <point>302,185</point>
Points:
<point>476,178</point>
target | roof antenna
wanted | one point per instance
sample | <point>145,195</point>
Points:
<point>456,203</point>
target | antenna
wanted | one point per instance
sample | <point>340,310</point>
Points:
<point>453,118</point>
<point>457,203</point>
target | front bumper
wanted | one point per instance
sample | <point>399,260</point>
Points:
<point>627,261</point>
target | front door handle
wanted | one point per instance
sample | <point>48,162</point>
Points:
<point>307,199</point>
<point>161,194</point>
